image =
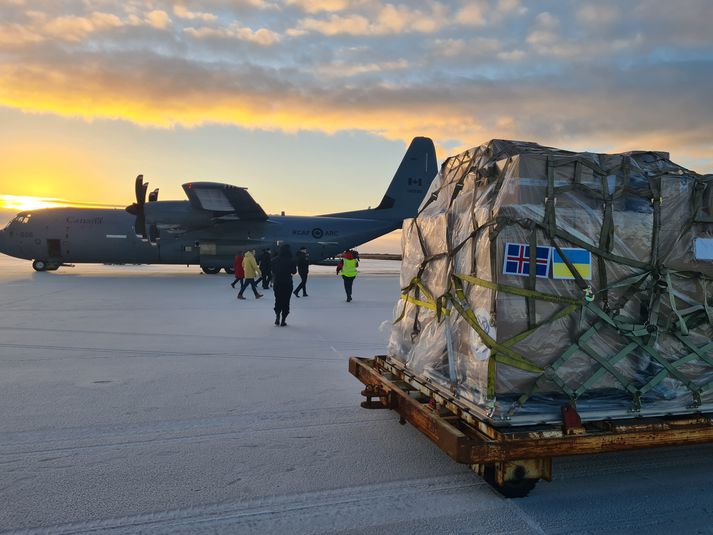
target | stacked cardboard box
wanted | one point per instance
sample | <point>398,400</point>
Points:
<point>629,333</point>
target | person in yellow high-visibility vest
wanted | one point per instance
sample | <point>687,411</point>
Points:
<point>347,268</point>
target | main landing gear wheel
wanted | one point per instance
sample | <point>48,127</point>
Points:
<point>39,265</point>
<point>210,270</point>
<point>229,270</point>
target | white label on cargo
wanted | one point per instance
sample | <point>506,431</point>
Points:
<point>480,350</point>
<point>703,248</point>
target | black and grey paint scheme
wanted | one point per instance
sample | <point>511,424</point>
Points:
<point>216,222</point>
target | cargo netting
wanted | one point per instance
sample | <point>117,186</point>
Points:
<point>534,277</point>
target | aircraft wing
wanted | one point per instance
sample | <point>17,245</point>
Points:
<point>224,200</point>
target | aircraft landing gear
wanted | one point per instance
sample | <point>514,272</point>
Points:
<point>42,265</point>
<point>229,270</point>
<point>210,270</point>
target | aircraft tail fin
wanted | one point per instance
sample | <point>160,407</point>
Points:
<point>417,170</point>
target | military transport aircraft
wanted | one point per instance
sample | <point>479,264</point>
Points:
<point>216,222</point>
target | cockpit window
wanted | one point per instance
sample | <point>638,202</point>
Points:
<point>22,218</point>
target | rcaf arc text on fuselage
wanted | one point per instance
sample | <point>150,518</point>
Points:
<point>216,222</point>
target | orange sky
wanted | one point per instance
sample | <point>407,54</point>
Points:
<point>311,103</point>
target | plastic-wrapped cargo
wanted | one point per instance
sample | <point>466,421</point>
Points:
<point>534,277</point>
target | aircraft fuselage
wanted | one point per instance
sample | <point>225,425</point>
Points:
<point>80,235</point>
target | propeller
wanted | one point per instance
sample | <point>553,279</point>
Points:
<point>137,209</point>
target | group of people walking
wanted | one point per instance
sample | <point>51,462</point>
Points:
<point>278,271</point>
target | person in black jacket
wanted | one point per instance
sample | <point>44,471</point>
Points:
<point>283,267</point>
<point>265,263</point>
<point>303,270</point>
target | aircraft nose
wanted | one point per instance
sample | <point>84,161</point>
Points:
<point>3,241</point>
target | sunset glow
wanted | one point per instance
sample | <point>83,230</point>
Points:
<point>20,203</point>
<point>296,98</point>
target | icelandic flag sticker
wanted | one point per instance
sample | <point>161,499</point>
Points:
<point>517,260</point>
<point>581,259</point>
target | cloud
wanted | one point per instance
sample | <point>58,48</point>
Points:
<point>473,14</point>
<point>68,28</point>
<point>158,19</point>
<point>600,14</point>
<point>387,19</point>
<point>315,6</point>
<point>347,69</point>
<point>262,36</point>
<point>183,13</point>
<point>460,71</point>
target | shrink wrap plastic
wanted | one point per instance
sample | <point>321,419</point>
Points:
<point>630,334</point>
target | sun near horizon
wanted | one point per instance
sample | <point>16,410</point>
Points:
<point>24,203</point>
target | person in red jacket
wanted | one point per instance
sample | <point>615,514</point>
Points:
<point>239,271</point>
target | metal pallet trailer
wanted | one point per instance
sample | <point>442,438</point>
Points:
<point>512,459</point>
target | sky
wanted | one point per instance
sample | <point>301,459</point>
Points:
<point>311,103</point>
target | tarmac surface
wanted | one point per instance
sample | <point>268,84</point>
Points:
<point>149,399</point>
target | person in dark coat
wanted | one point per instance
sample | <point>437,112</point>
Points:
<point>303,270</point>
<point>283,267</point>
<point>265,268</point>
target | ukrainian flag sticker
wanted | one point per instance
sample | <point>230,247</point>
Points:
<point>580,258</point>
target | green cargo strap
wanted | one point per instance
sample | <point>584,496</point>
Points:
<point>551,370</point>
<point>606,241</point>
<point>532,279</point>
<point>594,378</point>
<point>655,186</point>
<point>566,311</point>
<point>420,303</point>
<point>604,363</point>
<point>629,281</point>
<point>522,292</point>
<point>672,303</point>
<point>492,378</point>
<point>493,266</point>
<point>598,251</point>
<point>706,306</point>
<point>572,269</point>
<point>696,352</point>
<point>626,328</point>
<point>550,219</point>
<point>671,369</point>
<point>505,355</point>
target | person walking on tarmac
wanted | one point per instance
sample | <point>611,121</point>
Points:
<point>303,270</point>
<point>283,267</point>
<point>239,272</point>
<point>265,268</point>
<point>348,268</point>
<point>252,271</point>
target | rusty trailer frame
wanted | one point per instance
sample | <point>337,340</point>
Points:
<point>512,459</point>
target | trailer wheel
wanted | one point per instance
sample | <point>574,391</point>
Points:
<point>518,486</point>
<point>210,270</point>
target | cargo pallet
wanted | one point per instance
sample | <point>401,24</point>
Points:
<point>512,458</point>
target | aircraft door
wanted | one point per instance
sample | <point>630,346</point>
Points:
<point>54,248</point>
